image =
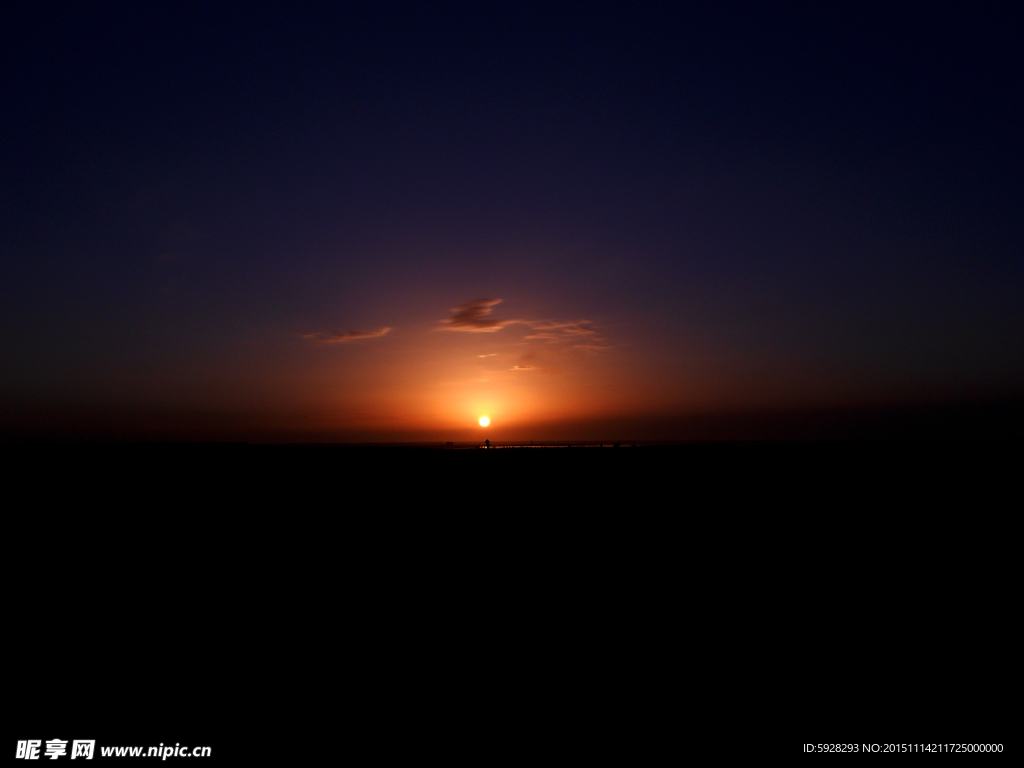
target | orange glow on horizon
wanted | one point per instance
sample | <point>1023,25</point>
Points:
<point>422,385</point>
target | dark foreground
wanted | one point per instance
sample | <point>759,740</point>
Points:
<point>258,598</point>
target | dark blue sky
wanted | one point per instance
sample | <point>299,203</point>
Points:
<point>749,206</point>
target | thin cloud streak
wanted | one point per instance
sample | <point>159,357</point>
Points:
<point>578,334</point>
<point>572,327</point>
<point>474,317</point>
<point>344,338</point>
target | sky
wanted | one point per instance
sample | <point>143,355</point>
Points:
<point>331,222</point>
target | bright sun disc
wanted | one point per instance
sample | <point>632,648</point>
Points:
<point>484,421</point>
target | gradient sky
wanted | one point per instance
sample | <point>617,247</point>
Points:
<point>381,223</point>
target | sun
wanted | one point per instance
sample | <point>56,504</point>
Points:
<point>484,421</point>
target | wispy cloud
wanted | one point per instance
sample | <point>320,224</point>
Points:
<point>344,338</point>
<point>475,317</point>
<point>592,345</point>
<point>555,331</point>
<point>576,334</point>
<point>571,327</point>
<point>492,354</point>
